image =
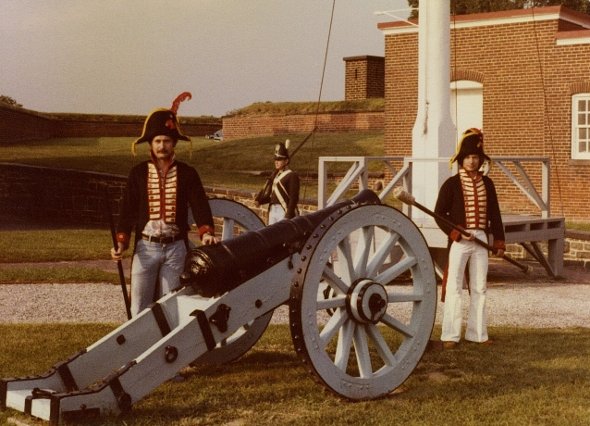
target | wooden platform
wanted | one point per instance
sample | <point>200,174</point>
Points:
<point>529,231</point>
<point>532,228</point>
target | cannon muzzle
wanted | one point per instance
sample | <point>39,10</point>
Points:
<point>215,269</point>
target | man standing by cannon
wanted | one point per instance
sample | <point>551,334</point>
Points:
<point>155,205</point>
<point>468,200</point>
<point>281,191</point>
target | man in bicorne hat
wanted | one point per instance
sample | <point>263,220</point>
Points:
<point>155,205</point>
<point>468,199</point>
<point>282,189</point>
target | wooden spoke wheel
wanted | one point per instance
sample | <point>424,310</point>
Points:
<point>233,218</point>
<point>363,301</point>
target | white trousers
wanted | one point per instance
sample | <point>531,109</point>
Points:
<point>460,253</point>
<point>275,213</point>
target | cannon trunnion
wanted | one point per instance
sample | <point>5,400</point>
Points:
<point>358,279</point>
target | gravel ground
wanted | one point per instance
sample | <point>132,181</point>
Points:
<point>534,300</point>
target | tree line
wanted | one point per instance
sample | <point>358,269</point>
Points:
<point>465,7</point>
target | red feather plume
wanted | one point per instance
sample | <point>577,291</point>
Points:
<point>180,98</point>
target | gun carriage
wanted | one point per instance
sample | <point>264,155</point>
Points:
<point>358,279</point>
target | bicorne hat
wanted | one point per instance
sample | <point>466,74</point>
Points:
<point>471,143</point>
<point>163,121</point>
<point>282,150</point>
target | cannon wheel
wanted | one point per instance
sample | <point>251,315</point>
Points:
<point>363,301</point>
<point>235,219</point>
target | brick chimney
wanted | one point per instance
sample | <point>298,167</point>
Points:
<point>364,77</point>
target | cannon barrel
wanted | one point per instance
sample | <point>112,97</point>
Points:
<point>215,269</point>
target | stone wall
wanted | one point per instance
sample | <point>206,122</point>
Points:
<point>58,196</point>
<point>61,196</point>
<point>577,248</point>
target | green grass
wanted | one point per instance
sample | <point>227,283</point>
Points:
<point>578,226</point>
<point>531,377</point>
<point>282,108</point>
<point>227,164</point>
<point>54,245</point>
<point>56,274</point>
<point>49,245</point>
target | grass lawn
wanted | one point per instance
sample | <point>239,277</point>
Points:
<point>54,245</point>
<point>531,377</point>
<point>227,164</point>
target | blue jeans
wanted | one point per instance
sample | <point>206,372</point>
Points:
<point>155,271</point>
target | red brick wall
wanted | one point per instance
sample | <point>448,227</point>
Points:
<point>401,93</point>
<point>132,128</point>
<point>20,125</point>
<point>247,126</point>
<point>527,86</point>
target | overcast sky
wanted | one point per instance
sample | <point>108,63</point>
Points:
<point>131,56</point>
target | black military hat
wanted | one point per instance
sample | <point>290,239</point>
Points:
<point>282,150</point>
<point>471,143</point>
<point>163,121</point>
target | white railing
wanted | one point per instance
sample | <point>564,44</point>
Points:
<point>523,182</point>
<point>358,175</point>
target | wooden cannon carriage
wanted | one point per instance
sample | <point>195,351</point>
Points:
<point>358,279</point>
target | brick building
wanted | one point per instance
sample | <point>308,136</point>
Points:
<point>521,75</point>
<point>364,77</point>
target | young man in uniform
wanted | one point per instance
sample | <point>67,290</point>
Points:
<point>283,196</point>
<point>469,200</point>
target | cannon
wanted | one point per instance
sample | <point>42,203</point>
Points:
<point>357,277</point>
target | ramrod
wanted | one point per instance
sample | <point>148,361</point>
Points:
<point>216,269</point>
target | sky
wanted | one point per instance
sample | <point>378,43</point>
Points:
<point>132,56</point>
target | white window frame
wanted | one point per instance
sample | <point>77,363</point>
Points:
<point>578,127</point>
